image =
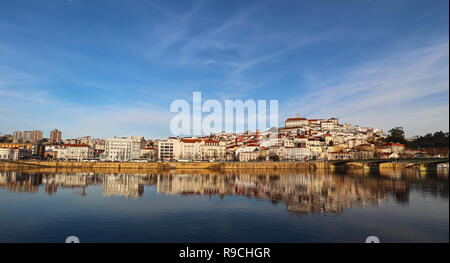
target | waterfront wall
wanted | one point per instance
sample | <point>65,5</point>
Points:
<point>168,165</point>
<point>382,165</point>
<point>216,166</point>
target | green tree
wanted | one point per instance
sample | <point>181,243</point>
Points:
<point>438,139</point>
<point>396,135</point>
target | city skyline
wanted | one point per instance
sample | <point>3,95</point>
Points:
<point>280,126</point>
<point>253,125</point>
<point>372,63</point>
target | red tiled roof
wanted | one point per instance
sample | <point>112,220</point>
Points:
<point>190,140</point>
<point>211,141</point>
<point>296,119</point>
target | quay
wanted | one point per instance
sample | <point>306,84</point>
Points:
<point>366,164</point>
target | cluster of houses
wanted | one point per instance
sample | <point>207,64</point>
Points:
<point>300,139</point>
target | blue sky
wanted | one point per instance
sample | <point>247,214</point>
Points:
<point>106,68</point>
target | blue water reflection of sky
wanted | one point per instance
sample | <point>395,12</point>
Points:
<point>157,217</point>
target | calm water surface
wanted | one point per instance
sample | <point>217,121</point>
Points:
<point>234,206</point>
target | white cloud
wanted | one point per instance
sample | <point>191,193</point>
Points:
<point>39,110</point>
<point>398,90</point>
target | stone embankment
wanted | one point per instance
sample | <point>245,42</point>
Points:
<point>168,165</point>
<point>216,166</point>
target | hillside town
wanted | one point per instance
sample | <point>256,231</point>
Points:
<point>300,139</point>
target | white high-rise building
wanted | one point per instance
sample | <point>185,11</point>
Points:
<point>169,149</point>
<point>27,136</point>
<point>18,136</point>
<point>124,149</point>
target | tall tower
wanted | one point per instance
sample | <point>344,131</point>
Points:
<point>27,136</point>
<point>18,136</point>
<point>37,136</point>
<point>55,136</point>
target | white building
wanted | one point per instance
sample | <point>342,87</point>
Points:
<point>191,149</point>
<point>327,125</point>
<point>75,152</point>
<point>314,142</point>
<point>249,156</point>
<point>315,150</point>
<point>9,153</point>
<point>281,152</point>
<point>297,153</point>
<point>295,122</point>
<point>246,148</point>
<point>169,149</point>
<point>202,149</point>
<point>149,153</point>
<point>124,149</point>
<point>213,150</point>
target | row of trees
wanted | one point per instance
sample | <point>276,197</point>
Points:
<point>437,139</point>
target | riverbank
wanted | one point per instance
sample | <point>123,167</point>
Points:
<point>218,166</point>
<point>168,165</point>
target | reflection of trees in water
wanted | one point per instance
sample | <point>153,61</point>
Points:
<point>301,191</point>
<point>433,183</point>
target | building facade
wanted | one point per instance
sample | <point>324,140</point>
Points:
<point>9,154</point>
<point>76,152</point>
<point>55,136</point>
<point>248,156</point>
<point>213,150</point>
<point>149,153</point>
<point>191,149</point>
<point>27,136</point>
<point>17,136</point>
<point>297,153</point>
<point>295,122</point>
<point>123,149</point>
<point>169,149</point>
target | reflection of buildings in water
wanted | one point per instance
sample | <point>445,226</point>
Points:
<point>301,191</point>
<point>74,181</point>
<point>3,179</point>
<point>20,181</point>
<point>442,172</point>
<point>122,185</point>
<point>112,185</point>
<point>184,184</point>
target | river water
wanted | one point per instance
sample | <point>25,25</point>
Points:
<point>403,205</point>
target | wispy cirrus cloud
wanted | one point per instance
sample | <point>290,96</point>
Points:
<point>400,89</point>
<point>18,112</point>
<point>107,74</point>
